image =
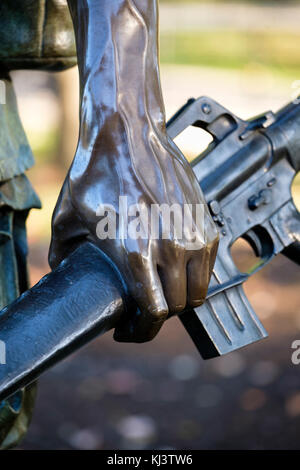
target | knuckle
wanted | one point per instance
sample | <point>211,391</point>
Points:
<point>196,302</point>
<point>158,314</point>
<point>177,308</point>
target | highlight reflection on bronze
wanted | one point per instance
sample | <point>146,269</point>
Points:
<point>123,150</point>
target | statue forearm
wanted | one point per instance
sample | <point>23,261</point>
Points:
<point>124,150</point>
<point>118,65</point>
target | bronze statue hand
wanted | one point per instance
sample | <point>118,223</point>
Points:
<point>124,150</point>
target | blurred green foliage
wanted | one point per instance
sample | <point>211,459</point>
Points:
<point>276,51</point>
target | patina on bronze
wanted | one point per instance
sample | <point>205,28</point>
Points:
<point>88,296</point>
<point>16,198</point>
<point>123,147</point>
<point>36,34</point>
<point>124,150</point>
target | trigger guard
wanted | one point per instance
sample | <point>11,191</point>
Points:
<point>260,241</point>
<point>254,241</point>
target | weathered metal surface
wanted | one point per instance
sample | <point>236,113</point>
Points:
<point>84,296</point>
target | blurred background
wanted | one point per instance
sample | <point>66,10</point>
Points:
<point>163,395</point>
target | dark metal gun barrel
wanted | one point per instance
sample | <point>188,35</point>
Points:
<point>81,299</point>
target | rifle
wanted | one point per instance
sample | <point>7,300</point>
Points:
<point>246,175</point>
